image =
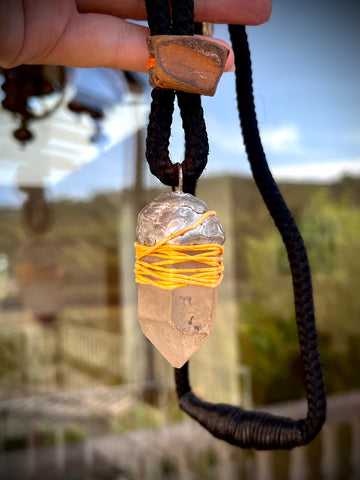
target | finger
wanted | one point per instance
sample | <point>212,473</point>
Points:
<point>11,20</point>
<point>247,12</point>
<point>243,12</point>
<point>95,40</point>
<point>230,60</point>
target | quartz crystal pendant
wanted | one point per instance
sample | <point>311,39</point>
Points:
<point>177,321</point>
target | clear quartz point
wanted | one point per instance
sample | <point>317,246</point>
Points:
<point>179,320</point>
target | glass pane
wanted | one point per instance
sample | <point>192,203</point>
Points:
<point>83,394</point>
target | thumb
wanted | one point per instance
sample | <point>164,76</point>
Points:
<point>97,40</point>
<point>230,60</point>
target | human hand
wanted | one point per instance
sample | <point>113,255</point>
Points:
<point>94,33</point>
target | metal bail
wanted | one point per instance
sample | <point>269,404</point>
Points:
<point>180,184</point>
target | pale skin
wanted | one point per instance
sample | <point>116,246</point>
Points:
<point>99,33</point>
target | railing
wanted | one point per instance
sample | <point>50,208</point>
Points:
<point>92,349</point>
<point>64,356</point>
<point>187,452</point>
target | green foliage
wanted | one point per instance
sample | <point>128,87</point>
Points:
<point>169,468</point>
<point>10,353</point>
<point>336,291</point>
<point>139,416</point>
<point>73,434</point>
<point>269,344</point>
<point>204,465</point>
<point>14,442</point>
<point>328,216</point>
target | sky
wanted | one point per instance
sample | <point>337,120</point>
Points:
<point>306,71</point>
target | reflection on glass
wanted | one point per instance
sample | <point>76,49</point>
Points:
<point>82,393</point>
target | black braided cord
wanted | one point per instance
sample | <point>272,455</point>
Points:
<point>247,429</point>
<point>158,16</point>
<point>162,106</point>
<point>253,429</point>
<point>182,17</point>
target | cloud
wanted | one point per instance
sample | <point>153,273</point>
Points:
<point>320,172</point>
<point>353,137</point>
<point>226,137</point>
<point>282,139</point>
<point>289,157</point>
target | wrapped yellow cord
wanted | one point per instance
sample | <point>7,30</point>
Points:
<point>178,268</point>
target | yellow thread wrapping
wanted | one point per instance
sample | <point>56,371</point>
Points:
<point>157,273</point>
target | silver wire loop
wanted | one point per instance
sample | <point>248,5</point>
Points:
<point>180,184</point>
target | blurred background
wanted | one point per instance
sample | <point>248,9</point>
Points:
<point>83,395</point>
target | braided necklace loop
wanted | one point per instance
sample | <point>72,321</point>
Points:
<point>247,429</point>
<point>180,22</point>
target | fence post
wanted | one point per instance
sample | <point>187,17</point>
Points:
<point>264,466</point>
<point>298,467</point>
<point>329,458</point>
<point>355,449</point>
